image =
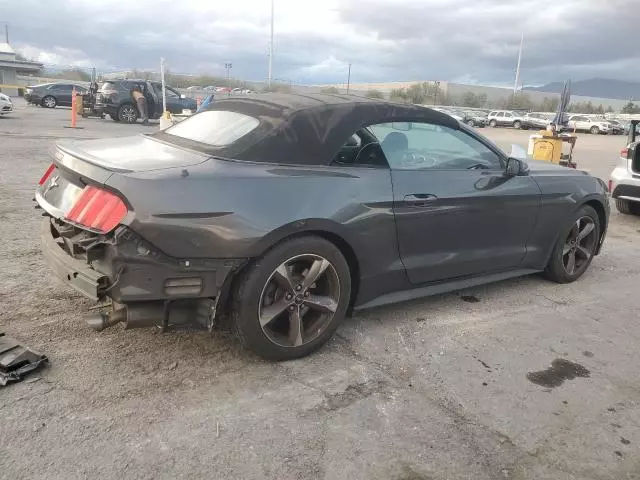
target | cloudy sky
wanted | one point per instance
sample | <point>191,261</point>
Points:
<point>385,40</point>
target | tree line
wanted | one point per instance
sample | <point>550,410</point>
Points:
<point>426,93</point>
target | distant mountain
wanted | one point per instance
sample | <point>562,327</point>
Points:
<point>596,87</point>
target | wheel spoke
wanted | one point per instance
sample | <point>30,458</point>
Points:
<point>571,262</point>
<point>283,277</point>
<point>317,269</point>
<point>295,327</point>
<point>267,314</point>
<point>586,230</point>
<point>583,251</point>
<point>321,303</point>
<point>566,248</point>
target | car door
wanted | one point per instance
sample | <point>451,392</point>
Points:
<point>62,92</point>
<point>457,213</point>
<point>508,118</point>
<point>500,118</point>
<point>174,102</point>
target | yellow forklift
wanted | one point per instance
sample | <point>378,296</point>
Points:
<point>555,147</point>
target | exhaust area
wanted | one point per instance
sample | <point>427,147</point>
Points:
<point>136,316</point>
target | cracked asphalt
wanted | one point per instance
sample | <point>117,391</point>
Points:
<point>438,388</point>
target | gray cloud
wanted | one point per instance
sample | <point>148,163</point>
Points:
<point>385,40</point>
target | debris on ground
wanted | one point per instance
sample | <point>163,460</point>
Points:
<point>17,361</point>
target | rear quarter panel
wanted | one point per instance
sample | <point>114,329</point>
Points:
<point>227,209</point>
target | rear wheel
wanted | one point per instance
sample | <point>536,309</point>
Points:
<point>291,300</point>
<point>49,102</point>
<point>575,247</point>
<point>594,130</point>
<point>627,207</point>
<point>128,113</point>
<point>471,123</point>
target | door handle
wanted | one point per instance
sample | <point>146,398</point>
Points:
<point>419,199</point>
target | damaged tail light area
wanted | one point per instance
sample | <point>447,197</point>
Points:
<point>47,174</point>
<point>97,209</point>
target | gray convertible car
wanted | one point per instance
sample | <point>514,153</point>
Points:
<point>282,213</point>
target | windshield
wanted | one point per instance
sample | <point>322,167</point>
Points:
<point>217,128</point>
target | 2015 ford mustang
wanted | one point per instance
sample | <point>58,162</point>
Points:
<point>283,212</point>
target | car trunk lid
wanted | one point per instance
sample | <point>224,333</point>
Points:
<point>79,164</point>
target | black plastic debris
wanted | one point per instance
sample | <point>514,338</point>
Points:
<point>17,361</point>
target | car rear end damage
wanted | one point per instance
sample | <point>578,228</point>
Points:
<point>88,242</point>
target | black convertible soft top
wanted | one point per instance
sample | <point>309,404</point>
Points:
<point>308,129</point>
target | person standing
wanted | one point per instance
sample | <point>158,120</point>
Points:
<point>141,103</point>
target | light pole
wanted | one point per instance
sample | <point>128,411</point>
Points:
<point>349,79</point>
<point>271,47</point>
<point>228,66</point>
<point>435,92</point>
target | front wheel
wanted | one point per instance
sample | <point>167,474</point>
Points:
<point>517,124</point>
<point>471,123</point>
<point>291,300</point>
<point>49,102</point>
<point>128,113</point>
<point>493,123</point>
<point>594,130</point>
<point>575,247</point>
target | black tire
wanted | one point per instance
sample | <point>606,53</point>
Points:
<point>517,124</point>
<point>627,207</point>
<point>471,123</point>
<point>249,300</point>
<point>49,102</point>
<point>594,130</point>
<point>128,113</point>
<point>493,123</point>
<point>114,117</point>
<point>556,269</point>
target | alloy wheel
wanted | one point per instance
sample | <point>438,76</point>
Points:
<point>128,114</point>
<point>49,102</point>
<point>579,245</point>
<point>299,300</point>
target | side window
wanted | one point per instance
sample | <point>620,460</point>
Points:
<point>171,93</point>
<point>508,114</point>
<point>427,146</point>
<point>500,114</point>
<point>362,149</point>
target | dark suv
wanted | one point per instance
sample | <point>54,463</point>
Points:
<point>51,95</point>
<point>114,98</point>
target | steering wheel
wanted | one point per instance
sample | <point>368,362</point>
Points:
<point>416,158</point>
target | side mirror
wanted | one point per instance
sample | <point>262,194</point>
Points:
<point>516,167</point>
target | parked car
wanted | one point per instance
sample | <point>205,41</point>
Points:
<point>114,98</point>
<point>624,182</point>
<point>52,95</point>
<point>505,118</point>
<point>475,118</point>
<point>618,127</point>
<point>582,123</point>
<point>245,211</point>
<point>6,105</point>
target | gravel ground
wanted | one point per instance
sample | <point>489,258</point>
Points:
<point>430,389</point>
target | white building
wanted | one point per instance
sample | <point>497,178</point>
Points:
<point>10,68</point>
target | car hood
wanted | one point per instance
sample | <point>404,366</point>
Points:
<point>138,153</point>
<point>548,167</point>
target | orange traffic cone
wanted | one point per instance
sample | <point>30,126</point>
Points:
<point>74,112</point>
